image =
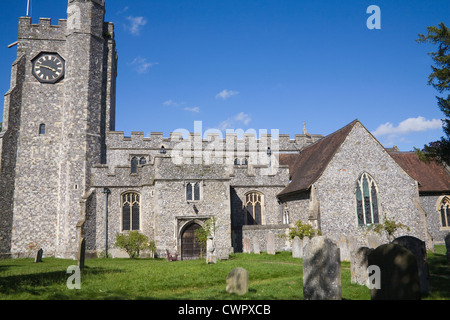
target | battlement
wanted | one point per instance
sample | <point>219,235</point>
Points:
<point>284,143</point>
<point>44,30</point>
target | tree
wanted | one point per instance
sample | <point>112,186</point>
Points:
<point>440,80</point>
<point>133,243</point>
<point>204,233</point>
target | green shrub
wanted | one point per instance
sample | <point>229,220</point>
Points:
<point>133,243</point>
<point>303,230</point>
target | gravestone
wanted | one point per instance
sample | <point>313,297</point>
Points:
<point>419,250</point>
<point>344,247</point>
<point>374,240</point>
<point>359,263</point>
<point>399,277</point>
<point>246,243</point>
<point>297,248</point>
<point>210,252</point>
<point>39,255</point>
<point>447,245</point>
<point>321,270</point>
<point>305,241</point>
<point>270,243</point>
<point>82,253</point>
<point>237,281</point>
<point>256,247</point>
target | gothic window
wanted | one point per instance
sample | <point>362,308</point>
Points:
<point>236,162</point>
<point>134,164</point>
<point>367,203</point>
<point>193,191</point>
<point>131,211</point>
<point>42,129</point>
<point>142,161</point>
<point>254,202</point>
<point>445,213</point>
<point>245,162</point>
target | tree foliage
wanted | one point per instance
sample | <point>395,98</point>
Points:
<point>389,226</point>
<point>204,233</point>
<point>440,79</point>
<point>302,230</point>
<point>133,243</point>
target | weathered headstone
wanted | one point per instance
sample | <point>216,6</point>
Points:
<point>344,247</point>
<point>321,270</point>
<point>297,248</point>
<point>256,247</point>
<point>81,253</point>
<point>246,244</point>
<point>39,255</point>
<point>210,252</point>
<point>374,240</point>
<point>237,281</point>
<point>305,241</point>
<point>358,264</point>
<point>447,245</point>
<point>270,243</point>
<point>419,250</point>
<point>399,277</point>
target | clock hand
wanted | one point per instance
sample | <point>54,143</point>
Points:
<point>47,67</point>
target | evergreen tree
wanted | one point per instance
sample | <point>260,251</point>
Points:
<point>440,80</point>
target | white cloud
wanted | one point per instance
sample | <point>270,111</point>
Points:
<point>135,24</point>
<point>141,65</point>
<point>195,109</point>
<point>225,94</point>
<point>231,123</point>
<point>125,9</point>
<point>408,126</point>
<point>171,103</point>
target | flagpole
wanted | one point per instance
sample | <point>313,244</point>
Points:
<point>28,8</point>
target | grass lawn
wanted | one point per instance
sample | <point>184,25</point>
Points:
<point>276,277</point>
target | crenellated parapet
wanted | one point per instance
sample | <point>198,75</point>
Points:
<point>44,30</point>
<point>209,141</point>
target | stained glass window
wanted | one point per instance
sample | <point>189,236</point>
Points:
<point>367,201</point>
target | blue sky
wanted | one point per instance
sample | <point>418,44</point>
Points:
<point>265,64</point>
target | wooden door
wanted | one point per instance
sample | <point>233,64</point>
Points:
<point>190,249</point>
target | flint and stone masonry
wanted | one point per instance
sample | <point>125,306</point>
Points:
<point>67,175</point>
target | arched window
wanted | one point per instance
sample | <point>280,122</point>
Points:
<point>254,203</point>
<point>42,129</point>
<point>142,161</point>
<point>236,162</point>
<point>367,205</point>
<point>131,211</point>
<point>193,191</point>
<point>134,164</point>
<point>245,162</point>
<point>445,212</point>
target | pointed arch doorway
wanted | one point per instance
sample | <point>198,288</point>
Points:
<point>190,249</point>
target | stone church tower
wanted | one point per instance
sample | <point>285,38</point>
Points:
<point>57,113</point>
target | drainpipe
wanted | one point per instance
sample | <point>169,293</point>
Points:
<point>106,192</point>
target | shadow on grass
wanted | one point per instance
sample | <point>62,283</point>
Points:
<point>439,276</point>
<point>38,283</point>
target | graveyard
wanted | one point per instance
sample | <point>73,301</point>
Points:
<point>270,277</point>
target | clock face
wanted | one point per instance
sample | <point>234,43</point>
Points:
<point>48,67</point>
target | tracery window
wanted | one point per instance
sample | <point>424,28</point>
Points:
<point>193,191</point>
<point>254,203</point>
<point>367,202</point>
<point>131,211</point>
<point>445,212</point>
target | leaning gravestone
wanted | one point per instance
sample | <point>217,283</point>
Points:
<point>447,245</point>
<point>321,270</point>
<point>399,277</point>
<point>270,243</point>
<point>297,248</point>
<point>419,250</point>
<point>39,255</point>
<point>82,254</point>
<point>358,264</point>
<point>256,247</point>
<point>237,281</point>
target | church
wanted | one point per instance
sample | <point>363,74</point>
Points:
<point>66,174</point>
